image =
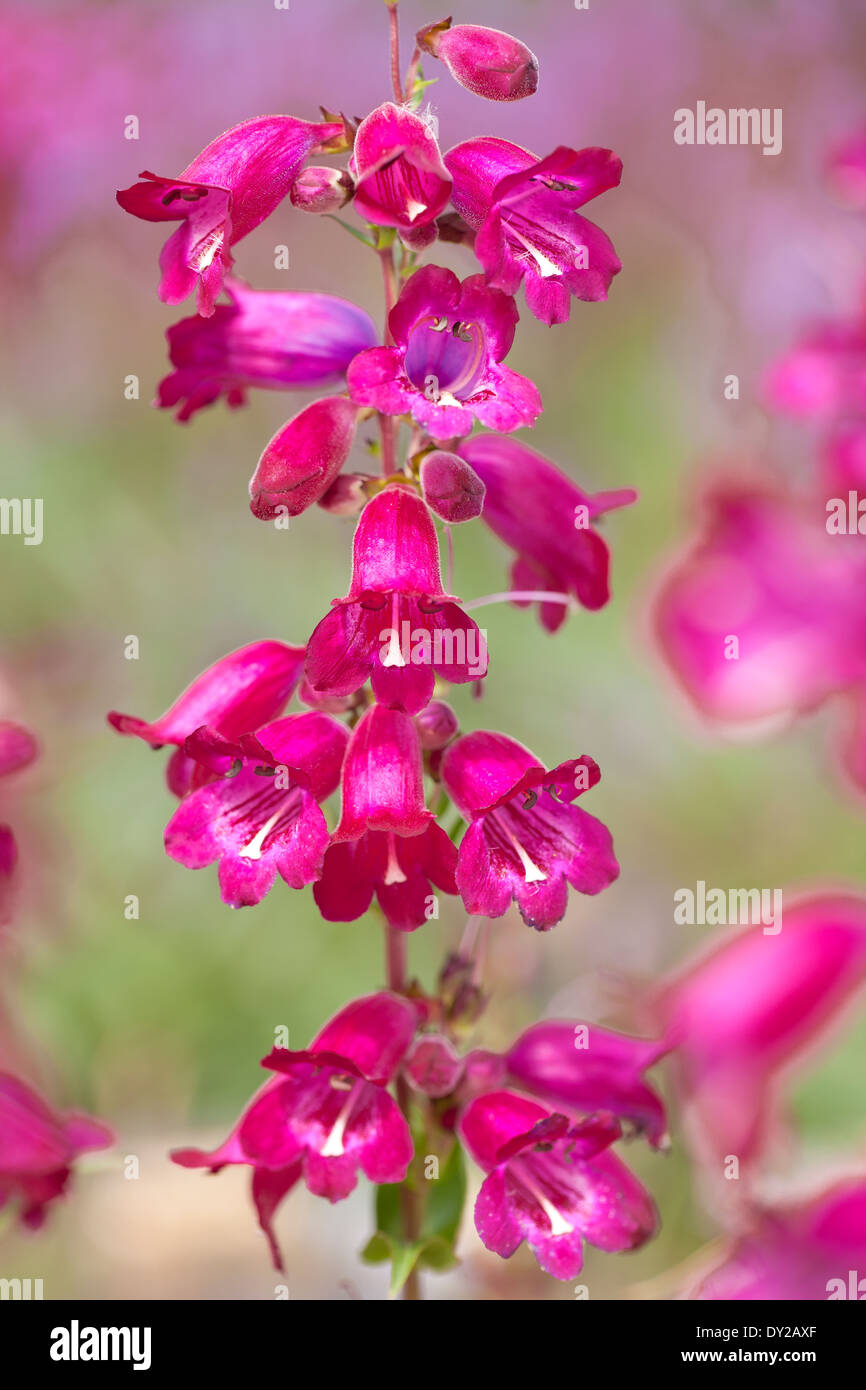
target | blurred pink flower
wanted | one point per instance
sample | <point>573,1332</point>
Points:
<point>38,1148</point>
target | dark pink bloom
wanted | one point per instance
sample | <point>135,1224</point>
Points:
<point>553,1182</point>
<point>303,458</point>
<point>748,1011</point>
<point>400,180</point>
<point>18,748</point>
<point>383,778</point>
<point>524,212</point>
<point>808,1251</point>
<point>221,197</point>
<point>525,842</point>
<point>272,340</point>
<point>265,819</point>
<point>395,624</point>
<point>234,696</point>
<point>451,488</point>
<point>764,613</point>
<point>444,368</point>
<point>326,1113</point>
<point>547,520</point>
<point>486,61</point>
<point>401,870</point>
<point>38,1147</point>
<point>587,1068</point>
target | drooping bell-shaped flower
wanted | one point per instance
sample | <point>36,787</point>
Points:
<point>271,340</point>
<point>445,366</point>
<point>485,61</point>
<point>235,696</point>
<point>326,1112</point>
<point>401,870</point>
<point>586,1068</point>
<point>38,1148</point>
<point>303,459</point>
<point>265,819</point>
<point>525,842</point>
<point>400,179</point>
<point>451,488</point>
<point>741,1016</point>
<point>547,520</point>
<point>524,212</point>
<point>553,1182</point>
<point>222,196</point>
<point>395,624</point>
<point>383,778</point>
<point>811,1250</point>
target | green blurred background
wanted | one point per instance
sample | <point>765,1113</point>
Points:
<point>157,1024</point>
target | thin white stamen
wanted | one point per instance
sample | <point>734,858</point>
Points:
<point>531,872</point>
<point>547,269</point>
<point>558,1224</point>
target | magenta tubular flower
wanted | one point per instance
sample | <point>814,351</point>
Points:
<point>764,613</point>
<point>444,369</point>
<point>546,519</point>
<point>524,212</point>
<point>809,1251</point>
<point>747,1012</point>
<point>586,1068</point>
<point>395,624</point>
<point>303,458</point>
<point>265,820</point>
<point>401,870</point>
<point>273,340</point>
<point>525,842</point>
<point>326,1113</point>
<point>38,1147</point>
<point>383,778</point>
<point>18,748</point>
<point>552,1182</point>
<point>400,180</point>
<point>234,696</point>
<point>222,196</point>
<point>485,61</point>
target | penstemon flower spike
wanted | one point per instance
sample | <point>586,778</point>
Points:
<point>427,811</point>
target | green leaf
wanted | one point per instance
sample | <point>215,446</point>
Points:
<point>353,231</point>
<point>446,1198</point>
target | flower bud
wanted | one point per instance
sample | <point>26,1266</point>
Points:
<point>452,489</point>
<point>485,61</point>
<point>432,1065</point>
<point>303,458</point>
<point>347,495</point>
<point>320,189</point>
<point>436,724</point>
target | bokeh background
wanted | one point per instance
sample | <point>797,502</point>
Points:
<point>158,1024</point>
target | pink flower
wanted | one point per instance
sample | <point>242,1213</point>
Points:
<point>264,819</point>
<point>400,870</point>
<point>525,842</point>
<point>400,180</point>
<point>764,614</point>
<point>18,748</point>
<point>450,338</point>
<point>326,1113</point>
<point>553,1182</point>
<point>547,520</point>
<point>275,341</point>
<point>234,696</point>
<point>383,778</point>
<point>524,212</point>
<point>824,375</point>
<point>304,458</point>
<point>587,1068</point>
<point>812,1250</point>
<point>747,1012</point>
<point>486,61</point>
<point>221,197</point>
<point>395,624</point>
<point>848,169</point>
<point>38,1147</point>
